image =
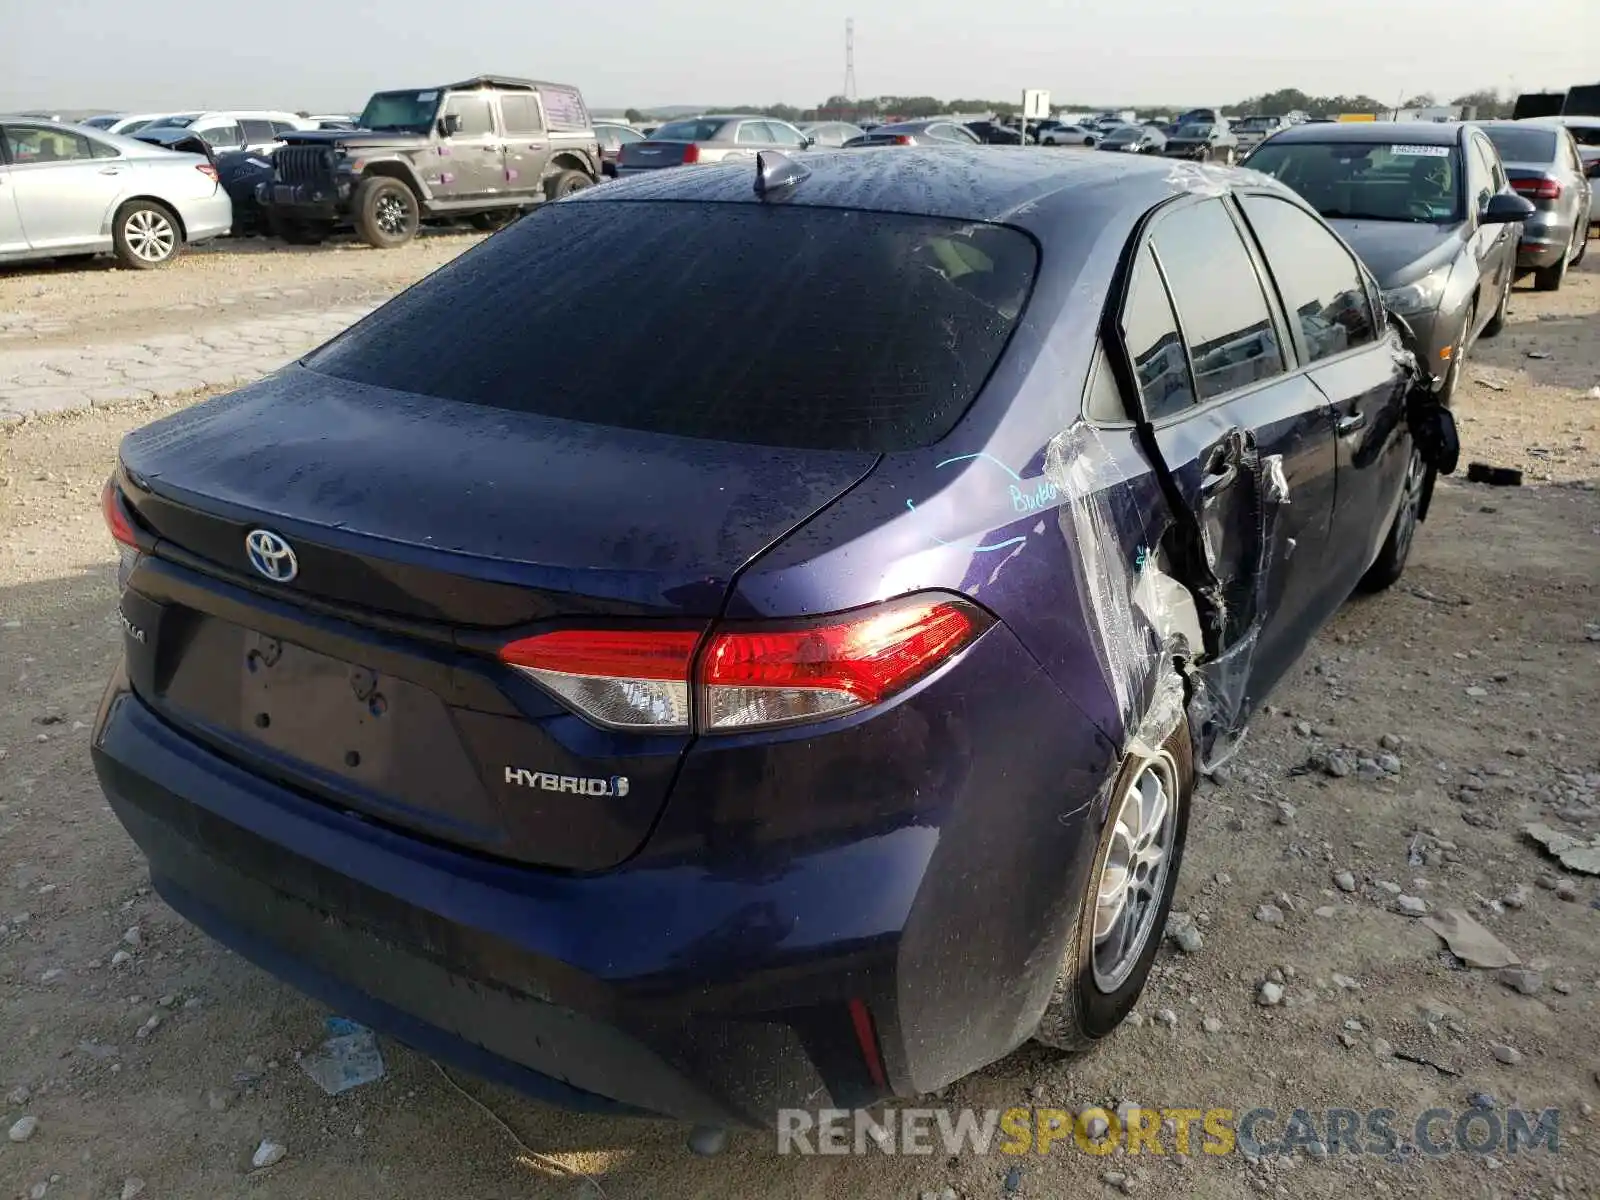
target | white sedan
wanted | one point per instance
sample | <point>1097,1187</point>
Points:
<point>67,191</point>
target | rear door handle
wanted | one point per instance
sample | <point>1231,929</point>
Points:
<point>1352,423</point>
<point>111,170</point>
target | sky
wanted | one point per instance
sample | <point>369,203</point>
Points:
<point>328,55</point>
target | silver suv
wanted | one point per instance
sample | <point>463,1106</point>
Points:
<point>484,149</point>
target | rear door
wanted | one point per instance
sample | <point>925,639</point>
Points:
<point>527,139</point>
<point>1235,422</point>
<point>1574,179</point>
<point>12,239</point>
<point>63,193</point>
<point>1341,338</point>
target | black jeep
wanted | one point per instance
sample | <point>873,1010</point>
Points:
<point>484,149</point>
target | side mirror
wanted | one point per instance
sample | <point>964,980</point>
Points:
<point>1592,169</point>
<point>450,124</point>
<point>1504,208</point>
<point>807,141</point>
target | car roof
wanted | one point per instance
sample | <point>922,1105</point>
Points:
<point>499,81</point>
<point>968,183</point>
<point>1547,124</point>
<point>1411,133</point>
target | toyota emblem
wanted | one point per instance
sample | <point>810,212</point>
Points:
<point>271,556</point>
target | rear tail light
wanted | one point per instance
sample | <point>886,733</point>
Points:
<point>691,153</point>
<point>622,679</point>
<point>208,171</point>
<point>121,527</point>
<point>901,139</point>
<point>748,676</point>
<point>1538,189</point>
<point>117,520</point>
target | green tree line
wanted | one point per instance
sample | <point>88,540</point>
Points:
<point>1489,103</point>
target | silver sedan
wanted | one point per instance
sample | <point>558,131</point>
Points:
<point>67,191</point>
<point>710,139</point>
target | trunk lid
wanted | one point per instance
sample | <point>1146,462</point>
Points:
<point>425,534</point>
<point>1534,182</point>
<point>647,154</point>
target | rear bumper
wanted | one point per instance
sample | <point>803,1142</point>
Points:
<point>1543,241</point>
<point>714,984</point>
<point>206,218</point>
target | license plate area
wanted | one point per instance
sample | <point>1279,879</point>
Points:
<point>338,716</point>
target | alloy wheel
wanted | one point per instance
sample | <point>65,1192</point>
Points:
<point>150,235</point>
<point>1405,522</point>
<point>391,215</point>
<point>1134,877</point>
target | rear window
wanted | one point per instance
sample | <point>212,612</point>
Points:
<point>813,328</point>
<point>565,108</point>
<point>688,131</point>
<point>1523,145</point>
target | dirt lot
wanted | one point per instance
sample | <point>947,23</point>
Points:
<point>49,305</point>
<point>1483,663</point>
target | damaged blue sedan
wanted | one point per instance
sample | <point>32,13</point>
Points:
<point>746,639</point>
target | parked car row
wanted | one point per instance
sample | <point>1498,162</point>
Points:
<point>67,191</point>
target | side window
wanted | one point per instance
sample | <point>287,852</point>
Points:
<point>784,135</point>
<point>1480,178</point>
<point>1491,160</point>
<point>473,109</point>
<point>45,145</point>
<point>1226,321</point>
<point>256,132</point>
<point>1151,333</point>
<point>520,112</point>
<point>624,136</point>
<point>103,150</point>
<point>753,133</point>
<point>1322,287</point>
<point>279,128</point>
<point>222,135</point>
<point>1103,402</point>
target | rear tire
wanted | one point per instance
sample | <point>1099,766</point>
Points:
<point>1390,564</point>
<point>564,183</point>
<point>1099,982</point>
<point>387,214</point>
<point>1550,279</point>
<point>145,235</point>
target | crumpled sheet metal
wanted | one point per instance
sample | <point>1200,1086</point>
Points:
<point>1141,623</point>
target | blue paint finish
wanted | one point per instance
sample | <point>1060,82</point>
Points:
<point>700,933</point>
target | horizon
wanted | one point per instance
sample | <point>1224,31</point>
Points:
<point>86,50</point>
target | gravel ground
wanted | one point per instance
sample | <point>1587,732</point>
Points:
<point>153,1060</point>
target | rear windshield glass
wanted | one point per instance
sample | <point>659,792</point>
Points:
<point>688,131</point>
<point>812,328</point>
<point>1523,145</point>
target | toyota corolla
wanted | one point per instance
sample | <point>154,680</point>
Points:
<point>795,695</point>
